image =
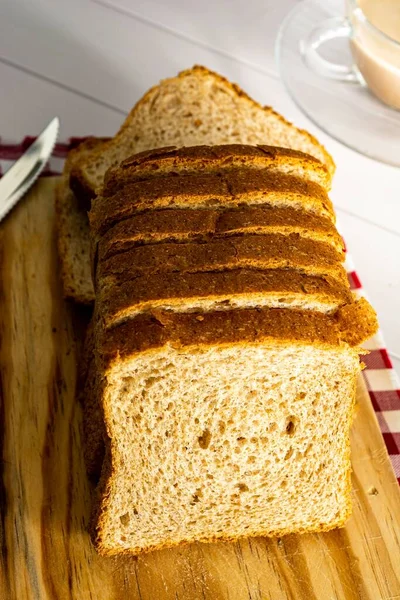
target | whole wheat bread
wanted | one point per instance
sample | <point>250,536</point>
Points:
<point>226,387</point>
<point>215,159</point>
<point>256,444</point>
<point>185,225</point>
<point>73,239</point>
<point>196,107</point>
<point>248,270</point>
<point>219,291</point>
<point>235,189</point>
<point>351,324</point>
<point>260,252</point>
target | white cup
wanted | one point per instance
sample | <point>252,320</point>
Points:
<point>373,30</point>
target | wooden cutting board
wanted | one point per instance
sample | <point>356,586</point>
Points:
<point>45,550</point>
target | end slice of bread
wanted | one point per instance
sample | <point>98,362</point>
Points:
<point>73,239</point>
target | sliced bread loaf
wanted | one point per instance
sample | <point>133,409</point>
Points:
<point>250,411</point>
<point>259,252</point>
<point>216,159</point>
<point>196,107</point>
<point>233,358</point>
<point>186,225</point>
<point>219,290</point>
<point>232,190</point>
<point>352,324</point>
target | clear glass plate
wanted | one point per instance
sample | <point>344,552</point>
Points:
<point>346,111</point>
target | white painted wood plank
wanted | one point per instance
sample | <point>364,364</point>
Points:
<point>27,104</point>
<point>362,186</point>
<point>239,29</point>
<point>376,254</point>
<point>106,54</point>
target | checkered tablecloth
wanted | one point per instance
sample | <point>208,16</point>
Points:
<point>382,382</point>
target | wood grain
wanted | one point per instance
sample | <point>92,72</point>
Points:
<point>45,496</point>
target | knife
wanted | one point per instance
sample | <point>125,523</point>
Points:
<point>22,175</point>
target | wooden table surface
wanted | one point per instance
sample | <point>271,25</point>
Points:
<point>45,496</point>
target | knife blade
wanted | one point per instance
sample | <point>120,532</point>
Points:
<point>19,178</point>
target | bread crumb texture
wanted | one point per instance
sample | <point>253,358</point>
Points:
<point>224,443</point>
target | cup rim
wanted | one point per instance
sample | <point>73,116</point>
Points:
<point>386,37</point>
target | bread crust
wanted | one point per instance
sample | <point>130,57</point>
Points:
<point>238,252</point>
<point>187,225</point>
<point>178,289</point>
<point>232,189</point>
<point>151,331</point>
<point>163,162</point>
<point>94,430</point>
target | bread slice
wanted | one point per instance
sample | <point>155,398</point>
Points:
<point>216,160</point>
<point>186,225</point>
<point>352,324</point>
<point>259,252</point>
<point>250,410</point>
<point>73,239</point>
<point>197,107</point>
<point>204,191</point>
<point>219,290</point>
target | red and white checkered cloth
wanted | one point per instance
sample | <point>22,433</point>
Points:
<point>382,382</point>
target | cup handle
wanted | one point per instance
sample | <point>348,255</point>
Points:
<point>327,30</point>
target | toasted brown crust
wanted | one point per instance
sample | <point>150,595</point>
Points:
<point>250,251</point>
<point>186,225</point>
<point>151,331</point>
<point>94,430</point>
<point>213,159</point>
<point>85,361</point>
<point>79,181</point>
<point>357,321</point>
<point>234,189</point>
<point>223,287</point>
